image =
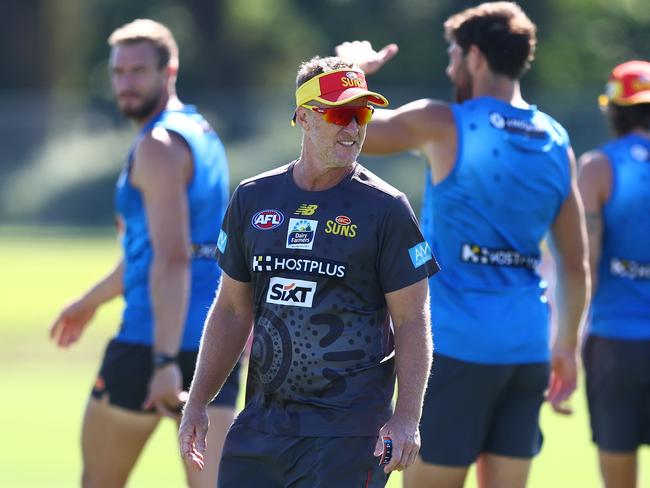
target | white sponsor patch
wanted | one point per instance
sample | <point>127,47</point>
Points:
<point>301,233</point>
<point>287,291</point>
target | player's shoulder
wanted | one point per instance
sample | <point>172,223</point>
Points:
<point>558,128</point>
<point>374,185</point>
<point>593,162</point>
<point>269,177</point>
<point>160,144</point>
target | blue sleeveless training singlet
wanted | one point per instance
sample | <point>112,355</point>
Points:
<point>621,305</point>
<point>207,195</point>
<point>485,222</point>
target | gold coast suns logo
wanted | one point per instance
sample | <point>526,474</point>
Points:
<point>352,79</point>
<point>341,226</point>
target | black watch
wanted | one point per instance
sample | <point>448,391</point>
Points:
<point>160,360</point>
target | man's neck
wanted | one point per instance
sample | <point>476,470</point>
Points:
<point>170,102</point>
<point>640,132</point>
<point>317,177</point>
<point>501,88</point>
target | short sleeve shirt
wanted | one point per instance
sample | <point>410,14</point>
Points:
<point>320,264</point>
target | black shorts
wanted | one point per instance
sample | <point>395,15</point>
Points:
<point>126,370</point>
<point>618,392</point>
<point>256,459</point>
<point>471,408</point>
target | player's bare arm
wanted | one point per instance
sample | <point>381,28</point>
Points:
<point>409,310</point>
<point>413,126</point>
<point>424,125</point>
<point>594,181</point>
<point>73,319</point>
<point>227,328</point>
<point>569,247</point>
<point>161,171</point>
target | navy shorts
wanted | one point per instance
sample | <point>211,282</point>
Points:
<point>471,408</point>
<point>260,460</point>
<point>126,370</point>
<point>618,392</point>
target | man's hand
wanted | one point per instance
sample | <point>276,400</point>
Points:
<point>71,322</point>
<point>405,435</point>
<point>192,435</point>
<point>165,393</point>
<point>364,56</point>
<point>564,378</point>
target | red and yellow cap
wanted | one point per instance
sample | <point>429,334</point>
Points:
<point>337,88</point>
<point>629,84</point>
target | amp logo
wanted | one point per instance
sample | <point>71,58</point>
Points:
<point>267,219</point>
<point>296,293</point>
<point>420,254</point>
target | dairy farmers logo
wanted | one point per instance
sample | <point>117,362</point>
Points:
<point>267,219</point>
<point>301,233</point>
<point>295,293</point>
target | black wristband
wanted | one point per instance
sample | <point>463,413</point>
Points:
<point>160,360</point>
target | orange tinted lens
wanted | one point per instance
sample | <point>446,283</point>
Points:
<point>344,115</point>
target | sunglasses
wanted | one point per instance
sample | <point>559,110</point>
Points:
<point>344,115</point>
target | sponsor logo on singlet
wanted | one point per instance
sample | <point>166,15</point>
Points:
<point>222,242</point>
<point>273,263</point>
<point>341,226</point>
<point>476,254</point>
<point>292,292</point>
<point>639,153</point>
<point>626,268</point>
<point>420,254</point>
<point>515,125</point>
<point>301,233</point>
<point>267,219</point>
<point>306,209</point>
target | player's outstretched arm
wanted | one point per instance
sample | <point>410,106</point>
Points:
<point>569,246</point>
<point>227,327</point>
<point>409,127</point>
<point>73,319</point>
<point>409,310</point>
<point>363,55</point>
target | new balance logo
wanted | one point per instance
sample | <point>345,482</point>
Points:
<point>306,209</point>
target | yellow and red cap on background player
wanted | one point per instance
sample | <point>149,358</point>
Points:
<point>629,84</point>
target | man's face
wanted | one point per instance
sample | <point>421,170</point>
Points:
<point>138,81</point>
<point>458,73</point>
<point>336,145</point>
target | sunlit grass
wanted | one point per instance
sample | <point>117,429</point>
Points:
<point>44,389</point>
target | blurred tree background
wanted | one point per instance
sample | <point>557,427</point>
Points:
<point>63,142</point>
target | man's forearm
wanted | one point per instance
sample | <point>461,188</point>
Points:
<point>413,354</point>
<point>107,288</point>
<point>223,341</point>
<point>169,295</point>
<point>572,295</point>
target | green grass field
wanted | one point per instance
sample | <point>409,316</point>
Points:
<point>44,389</point>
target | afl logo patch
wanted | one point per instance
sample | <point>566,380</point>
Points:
<point>267,219</point>
<point>343,220</point>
